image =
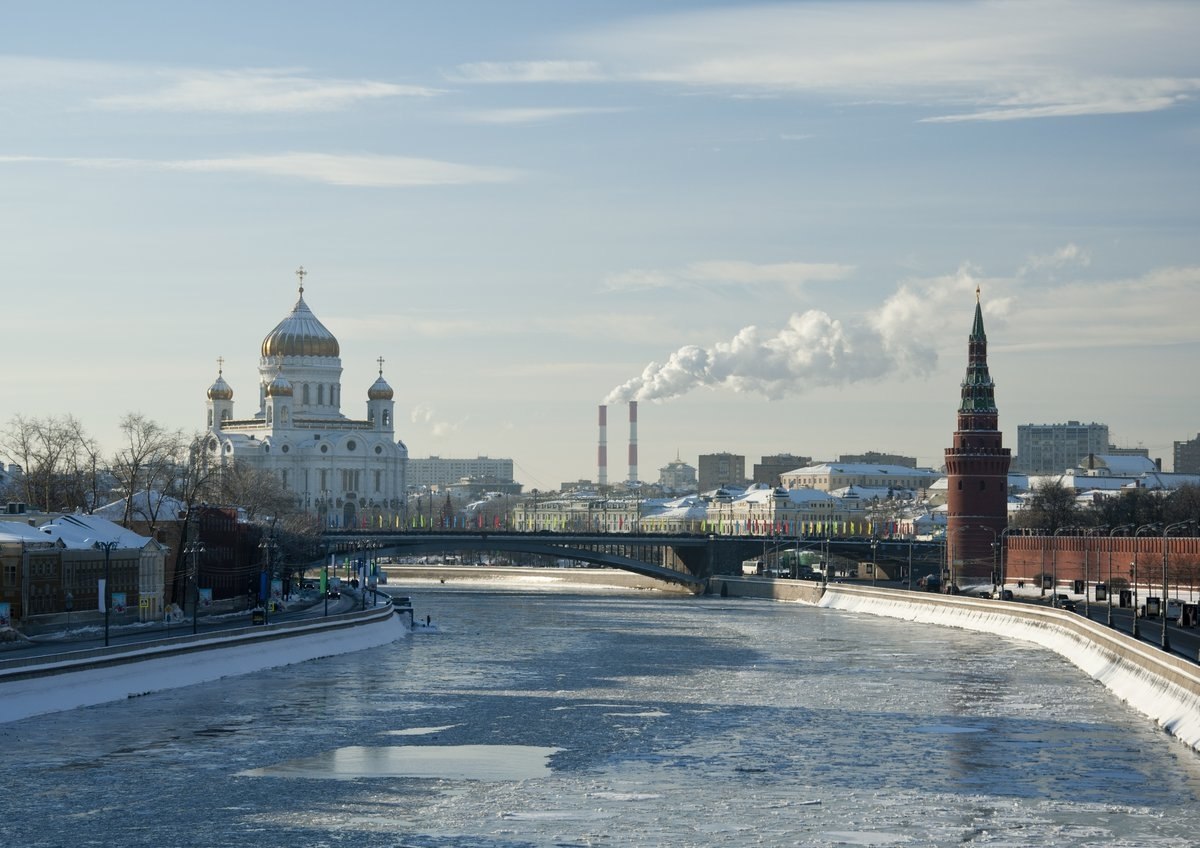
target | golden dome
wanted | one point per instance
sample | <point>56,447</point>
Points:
<point>220,390</point>
<point>300,334</point>
<point>380,390</point>
<point>279,387</point>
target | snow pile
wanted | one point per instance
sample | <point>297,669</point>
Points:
<point>154,669</point>
<point>1159,686</point>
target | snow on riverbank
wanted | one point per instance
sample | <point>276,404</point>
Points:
<point>1135,673</point>
<point>220,657</point>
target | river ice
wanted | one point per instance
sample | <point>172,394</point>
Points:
<point>554,718</point>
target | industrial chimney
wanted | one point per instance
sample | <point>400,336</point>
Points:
<point>633,472</point>
<point>602,451</point>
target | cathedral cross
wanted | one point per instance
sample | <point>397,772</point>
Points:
<point>301,273</point>
<point>380,361</point>
<point>220,365</point>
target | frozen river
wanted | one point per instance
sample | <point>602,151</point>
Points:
<point>562,719</point>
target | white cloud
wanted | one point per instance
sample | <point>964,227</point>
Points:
<point>344,170</point>
<point>255,91</point>
<point>976,60</point>
<point>523,72</point>
<point>729,272</point>
<point>532,115</point>
<point>1068,254</point>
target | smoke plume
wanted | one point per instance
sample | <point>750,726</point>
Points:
<point>812,350</point>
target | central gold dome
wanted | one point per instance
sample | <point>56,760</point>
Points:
<point>300,334</point>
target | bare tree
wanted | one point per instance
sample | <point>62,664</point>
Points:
<point>48,450</point>
<point>1051,507</point>
<point>145,465</point>
<point>261,493</point>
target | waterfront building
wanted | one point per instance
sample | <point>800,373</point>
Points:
<point>976,470</point>
<point>830,476</point>
<point>767,471</point>
<point>347,472</point>
<point>1053,448</point>
<point>721,469</point>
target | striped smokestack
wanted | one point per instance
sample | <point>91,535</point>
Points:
<point>633,474</point>
<point>602,451</point>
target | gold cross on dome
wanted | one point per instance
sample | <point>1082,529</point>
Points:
<point>220,365</point>
<point>301,273</point>
<point>380,361</point>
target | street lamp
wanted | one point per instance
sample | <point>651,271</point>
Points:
<point>1091,531</point>
<point>874,568</point>
<point>267,546</point>
<point>1133,574</point>
<point>1002,550</point>
<point>1166,640</point>
<point>1054,566</point>
<point>194,549</point>
<point>107,592</point>
<point>1116,531</point>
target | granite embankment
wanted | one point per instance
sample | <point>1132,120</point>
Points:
<point>35,685</point>
<point>1162,686</point>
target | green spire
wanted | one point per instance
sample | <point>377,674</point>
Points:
<point>977,328</point>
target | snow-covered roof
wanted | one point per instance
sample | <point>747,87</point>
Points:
<point>163,507</point>
<point>85,531</point>
<point>1119,465</point>
<point>863,468</point>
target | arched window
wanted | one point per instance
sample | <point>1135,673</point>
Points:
<point>283,414</point>
<point>269,410</point>
<point>304,394</point>
<point>210,418</point>
<point>386,418</point>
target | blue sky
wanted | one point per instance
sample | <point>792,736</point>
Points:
<point>767,222</point>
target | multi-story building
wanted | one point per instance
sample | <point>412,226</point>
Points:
<point>721,469</point>
<point>1187,456</point>
<point>436,471</point>
<point>348,472</point>
<point>830,476</point>
<point>767,472</point>
<point>879,458</point>
<point>1053,448</point>
<point>677,478</point>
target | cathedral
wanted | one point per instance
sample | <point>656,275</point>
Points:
<point>348,472</point>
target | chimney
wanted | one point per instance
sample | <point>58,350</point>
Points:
<point>602,451</point>
<point>633,472</point>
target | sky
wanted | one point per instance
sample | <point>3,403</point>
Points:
<point>767,223</point>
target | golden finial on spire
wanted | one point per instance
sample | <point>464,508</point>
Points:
<point>977,292</point>
<point>301,273</point>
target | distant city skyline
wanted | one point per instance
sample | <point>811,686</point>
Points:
<point>764,222</point>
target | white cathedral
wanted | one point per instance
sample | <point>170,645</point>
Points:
<point>348,472</point>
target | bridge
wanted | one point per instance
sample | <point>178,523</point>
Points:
<point>683,558</point>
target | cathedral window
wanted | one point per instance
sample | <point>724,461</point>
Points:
<point>283,415</point>
<point>386,422</point>
<point>210,418</point>
<point>269,411</point>
<point>320,394</point>
<point>304,393</point>
<point>378,479</point>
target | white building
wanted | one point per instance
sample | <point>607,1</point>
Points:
<point>349,472</point>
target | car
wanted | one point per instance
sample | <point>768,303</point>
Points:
<point>333,593</point>
<point>1067,605</point>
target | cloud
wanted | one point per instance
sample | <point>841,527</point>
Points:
<point>1068,254</point>
<point>728,272</point>
<point>365,170</point>
<point>532,115</point>
<point>244,91</point>
<point>527,72</point>
<point>965,61</point>
<point>423,413</point>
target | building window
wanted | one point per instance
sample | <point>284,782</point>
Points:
<point>305,395</point>
<point>321,394</point>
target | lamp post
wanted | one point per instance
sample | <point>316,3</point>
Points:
<point>194,549</point>
<point>1133,574</point>
<point>107,592</point>
<point>874,567</point>
<point>1054,565</point>
<point>1166,640</point>
<point>1091,531</point>
<point>1116,531</point>
<point>1002,545</point>
<point>267,546</point>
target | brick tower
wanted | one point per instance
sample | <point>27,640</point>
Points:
<point>976,471</point>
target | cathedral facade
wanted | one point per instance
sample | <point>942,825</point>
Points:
<point>349,472</point>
